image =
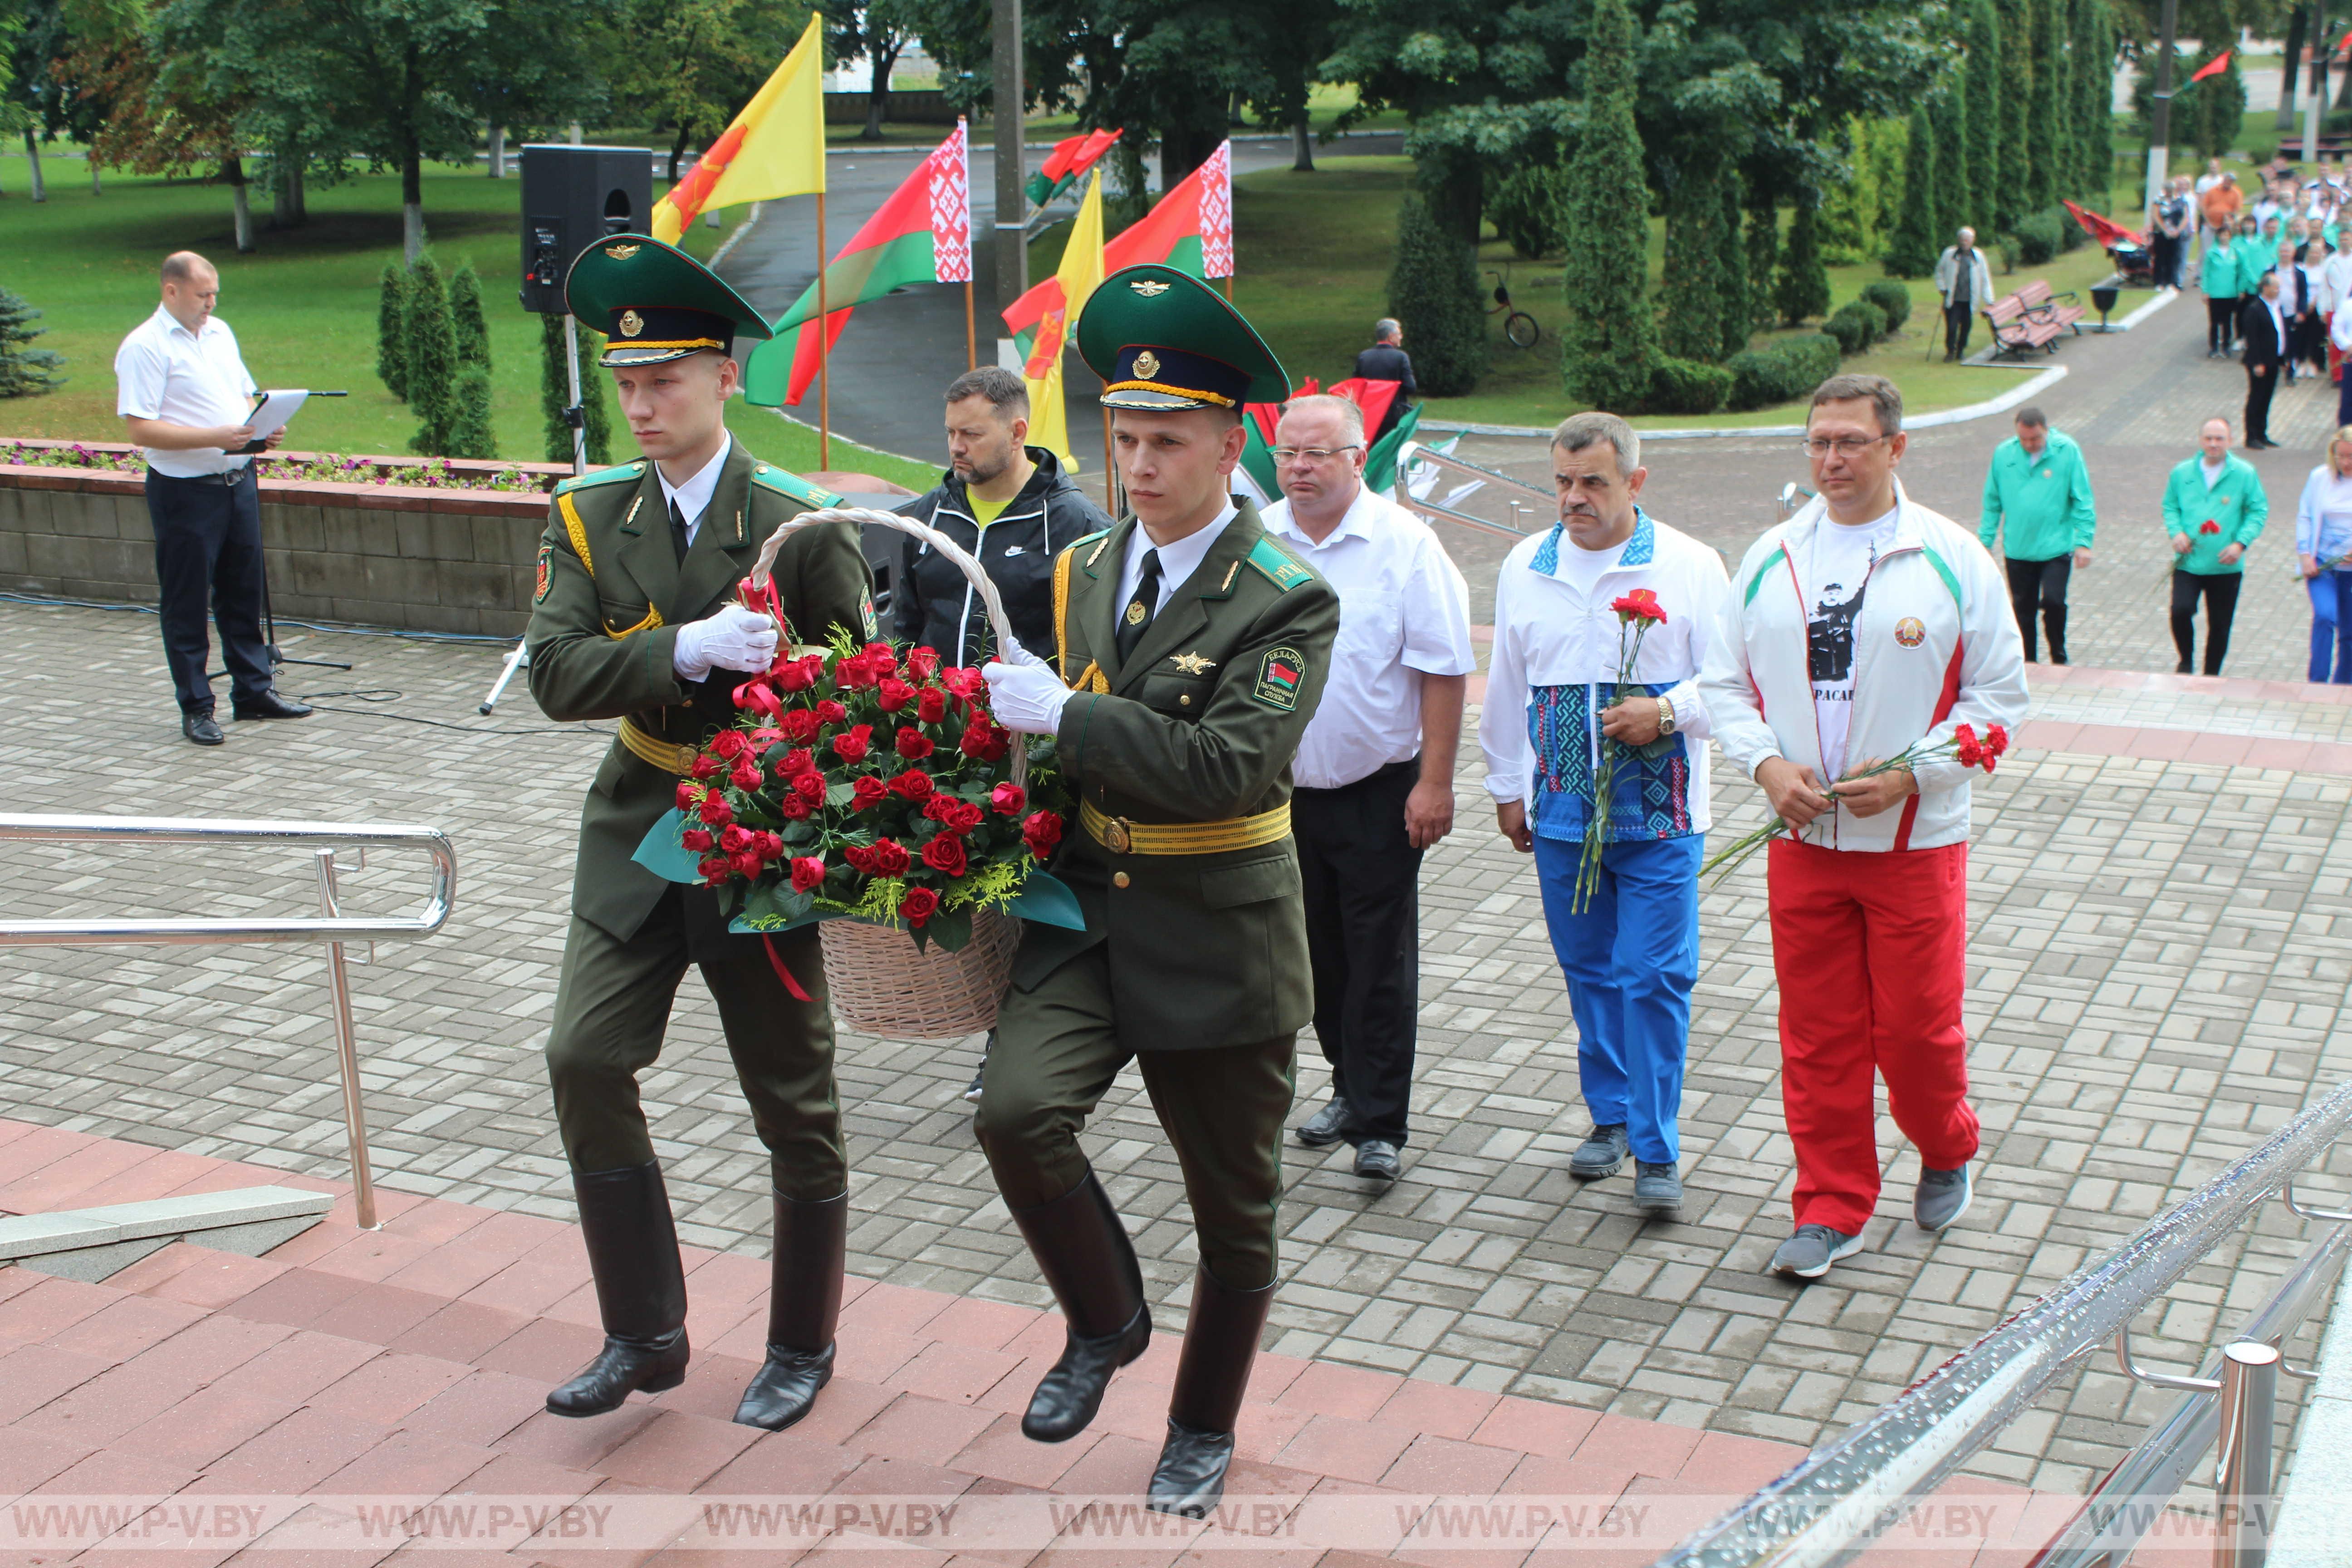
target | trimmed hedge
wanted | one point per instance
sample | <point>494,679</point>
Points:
<point>1688,386</point>
<point>1892,300</point>
<point>1783,372</point>
<point>2039,238</point>
<point>1856,324</point>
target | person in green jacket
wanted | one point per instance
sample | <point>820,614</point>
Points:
<point>2214,509</point>
<point>2038,491</point>
<point>2219,277</point>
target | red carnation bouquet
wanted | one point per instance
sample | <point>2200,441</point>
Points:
<point>1640,610</point>
<point>1964,747</point>
<point>866,781</point>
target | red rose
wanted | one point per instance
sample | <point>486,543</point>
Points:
<point>744,862</point>
<point>800,725</point>
<point>889,858</point>
<point>714,869</point>
<point>744,775</point>
<point>706,767</point>
<point>811,786</point>
<point>794,807</point>
<point>770,844</point>
<point>733,838</point>
<point>798,674</point>
<point>1041,832</point>
<point>830,712</point>
<point>796,762</point>
<point>730,744</point>
<point>715,810</point>
<point>1007,799</point>
<point>808,872</point>
<point>697,839</point>
<point>913,785</point>
<point>894,694</point>
<point>913,745</point>
<point>957,816</point>
<point>882,656</point>
<point>690,796</point>
<point>851,747</point>
<point>922,662</point>
<point>930,704</point>
<point>982,740</point>
<point>854,673</point>
<point>920,905</point>
<point>871,792</point>
<point>968,684</point>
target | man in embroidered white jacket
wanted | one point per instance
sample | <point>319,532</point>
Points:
<point>1629,952</point>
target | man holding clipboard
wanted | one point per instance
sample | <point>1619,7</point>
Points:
<point>183,389</point>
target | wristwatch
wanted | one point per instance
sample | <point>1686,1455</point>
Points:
<point>1665,717</point>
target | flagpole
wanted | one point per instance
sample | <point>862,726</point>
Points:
<point>971,340</point>
<point>1110,468</point>
<point>824,335</point>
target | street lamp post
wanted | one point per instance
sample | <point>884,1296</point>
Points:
<point>2160,132</point>
<point>1012,203</point>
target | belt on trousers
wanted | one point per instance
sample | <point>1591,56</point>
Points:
<point>678,760</point>
<point>1120,836</point>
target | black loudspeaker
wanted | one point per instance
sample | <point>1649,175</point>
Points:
<point>572,198</point>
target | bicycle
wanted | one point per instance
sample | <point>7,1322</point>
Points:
<point>1519,329</point>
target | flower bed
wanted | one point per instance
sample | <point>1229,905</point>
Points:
<point>316,468</point>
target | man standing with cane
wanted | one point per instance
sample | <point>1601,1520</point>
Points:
<point>183,390</point>
<point>1964,283</point>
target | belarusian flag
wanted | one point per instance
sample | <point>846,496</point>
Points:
<point>1257,468</point>
<point>1191,229</point>
<point>1067,164</point>
<point>921,234</point>
<point>775,147</point>
<point>1081,273</point>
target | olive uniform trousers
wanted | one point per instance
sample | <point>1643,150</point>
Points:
<point>613,1006</point>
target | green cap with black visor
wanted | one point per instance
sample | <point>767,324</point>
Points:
<point>1163,340</point>
<point>656,303</point>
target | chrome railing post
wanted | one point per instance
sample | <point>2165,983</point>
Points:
<point>346,1052</point>
<point>2242,1534</point>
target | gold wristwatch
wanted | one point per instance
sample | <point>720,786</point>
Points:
<point>1666,716</point>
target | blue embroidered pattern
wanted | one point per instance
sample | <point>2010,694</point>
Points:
<point>1651,796</point>
<point>1640,550</point>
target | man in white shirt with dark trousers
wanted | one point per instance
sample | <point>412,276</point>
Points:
<point>185,392</point>
<point>1374,774</point>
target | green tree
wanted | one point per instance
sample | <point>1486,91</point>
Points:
<point>1948,115</point>
<point>1763,250</point>
<point>1433,294</point>
<point>2094,119</point>
<point>1691,326</point>
<point>471,435</point>
<point>25,371</point>
<point>1610,341</point>
<point>1917,239</point>
<point>1738,313</point>
<point>689,67</point>
<point>465,316</point>
<point>431,360</point>
<point>1802,289</point>
<point>2010,192</point>
<point>2045,154</point>
<point>391,330</point>
<point>555,393</point>
<point>1980,85</point>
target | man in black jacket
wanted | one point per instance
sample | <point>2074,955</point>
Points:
<point>1387,361</point>
<point>1009,504</point>
<point>2263,323</point>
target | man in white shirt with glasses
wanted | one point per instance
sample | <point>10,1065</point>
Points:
<point>1374,774</point>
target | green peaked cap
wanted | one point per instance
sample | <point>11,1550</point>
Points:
<point>1162,339</point>
<point>656,303</point>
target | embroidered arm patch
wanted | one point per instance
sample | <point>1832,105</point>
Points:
<point>1279,675</point>
<point>546,573</point>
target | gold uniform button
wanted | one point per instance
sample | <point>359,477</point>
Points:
<point>1185,701</point>
<point>1118,879</point>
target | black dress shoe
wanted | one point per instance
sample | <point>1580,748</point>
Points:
<point>622,1368</point>
<point>785,1387</point>
<point>200,728</point>
<point>1189,1478</point>
<point>1068,1397</point>
<point>1326,1127</point>
<point>1083,1250</point>
<point>1377,1161</point>
<point>269,705</point>
<point>805,1270</point>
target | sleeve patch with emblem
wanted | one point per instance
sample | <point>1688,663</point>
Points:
<point>546,573</point>
<point>1279,674</point>
<point>866,608</point>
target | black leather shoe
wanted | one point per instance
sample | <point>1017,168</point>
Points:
<point>1221,1339</point>
<point>200,728</point>
<point>1189,1478</point>
<point>1377,1161</point>
<point>1326,1127</point>
<point>803,1305</point>
<point>1084,1252</point>
<point>269,705</point>
<point>631,1241</point>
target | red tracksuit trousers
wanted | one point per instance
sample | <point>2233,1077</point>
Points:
<point>1870,951</point>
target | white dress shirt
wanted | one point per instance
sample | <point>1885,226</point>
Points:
<point>162,370</point>
<point>1178,562</point>
<point>693,498</point>
<point>1404,611</point>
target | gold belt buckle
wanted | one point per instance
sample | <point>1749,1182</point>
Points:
<point>1115,838</point>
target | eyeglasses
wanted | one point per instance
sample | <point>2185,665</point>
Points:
<point>1312,454</point>
<point>1843,446</point>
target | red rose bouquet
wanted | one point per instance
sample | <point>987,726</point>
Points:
<point>1964,747</point>
<point>867,782</point>
<point>1640,610</point>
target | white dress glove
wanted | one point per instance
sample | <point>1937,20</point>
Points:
<point>1014,653</point>
<point>734,638</point>
<point>1025,696</point>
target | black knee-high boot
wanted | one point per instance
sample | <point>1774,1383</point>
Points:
<point>640,1290</point>
<point>803,1304</point>
<point>1220,1339</point>
<point>1085,1254</point>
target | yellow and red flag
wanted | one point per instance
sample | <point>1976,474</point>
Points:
<point>1080,273</point>
<point>774,148</point>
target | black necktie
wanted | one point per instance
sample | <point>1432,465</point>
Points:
<point>677,540</point>
<point>1137,613</point>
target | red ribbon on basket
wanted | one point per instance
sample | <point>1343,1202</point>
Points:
<point>782,974</point>
<point>756,693</point>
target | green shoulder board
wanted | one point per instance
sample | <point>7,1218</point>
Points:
<point>784,482</point>
<point>629,471</point>
<point>1083,540</point>
<point>1278,565</point>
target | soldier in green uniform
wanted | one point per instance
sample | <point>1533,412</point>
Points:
<point>1193,649</point>
<point>632,620</point>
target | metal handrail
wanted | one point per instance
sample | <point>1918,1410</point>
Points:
<point>330,926</point>
<point>1413,452</point>
<point>1831,1504</point>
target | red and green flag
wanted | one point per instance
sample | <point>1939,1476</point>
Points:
<point>1258,465</point>
<point>1067,164</point>
<point>1191,229</point>
<point>921,234</point>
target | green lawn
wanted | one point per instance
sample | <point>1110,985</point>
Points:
<point>303,304</point>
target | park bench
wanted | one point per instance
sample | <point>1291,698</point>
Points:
<point>2043,306</point>
<point>2016,331</point>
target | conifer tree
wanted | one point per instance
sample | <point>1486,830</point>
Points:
<point>1802,289</point>
<point>1947,113</point>
<point>555,393</point>
<point>432,368</point>
<point>1982,85</point>
<point>1914,248</point>
<point>1610,344</point>
<point>2017,62</point>
<point>391,330</point>
<point>2045,154</point>
<point>466,315</point>
<point>1763,252</point>
<point>24,371</point>
<point>1692,324</point>
<point>1739,314</point>
<point>2095,121</point>
<point>1433,294</point>
<point>470,433</point>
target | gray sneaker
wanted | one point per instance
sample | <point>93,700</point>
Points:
<point>1602,1152</point>
<point>1943,1198</point>
<point>1808,1254</point>
<point>1657,1187</point>
<point>1326,1127</point>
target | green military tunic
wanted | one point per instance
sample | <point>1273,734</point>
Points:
<point>1193,961</point>
<point>610,595</point>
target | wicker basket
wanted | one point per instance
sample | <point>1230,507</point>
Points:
<point>881,984</point>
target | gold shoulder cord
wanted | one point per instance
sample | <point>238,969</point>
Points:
<point>1091,677</point>
<point>578,529</point>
